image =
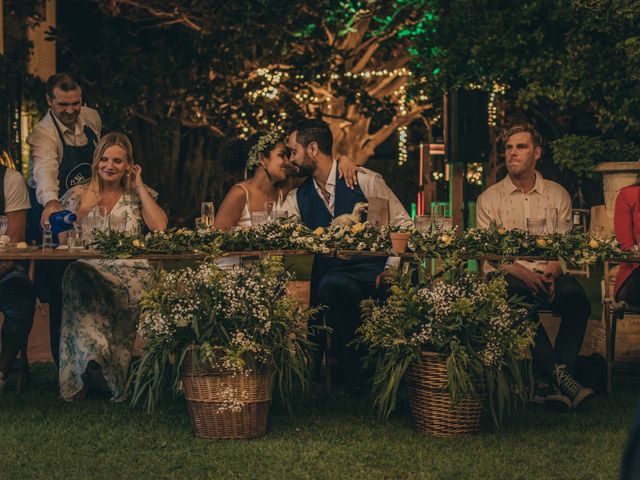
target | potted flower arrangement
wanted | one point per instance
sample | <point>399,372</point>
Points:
<point>457,341</point>
<point>222,338</point>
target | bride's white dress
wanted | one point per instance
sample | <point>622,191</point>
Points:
<point>244,222</point>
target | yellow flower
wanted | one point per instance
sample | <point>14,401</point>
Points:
<point>593,243</point>
<point>358,227</point>
<point>502,231</point>
<point>446,239</point>
<point>137,243</point>
<point>318,231</point>
<point>541,242</point>
<point>181,231</point>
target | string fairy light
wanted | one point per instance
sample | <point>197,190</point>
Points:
<point>270,82</point>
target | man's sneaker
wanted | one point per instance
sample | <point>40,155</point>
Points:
<point>3,382</point>
<point>570,387</point>
<point>551,396</point>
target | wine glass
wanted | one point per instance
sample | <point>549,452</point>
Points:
<point>439,214</point>
<point>101,220</point>
<point>207,214</point>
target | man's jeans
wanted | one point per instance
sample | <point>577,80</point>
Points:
<point>572,304</point>
<point>17,303</point>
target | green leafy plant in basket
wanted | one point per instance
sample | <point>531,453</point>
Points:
<point>238,320</point>
<point>483,334</point>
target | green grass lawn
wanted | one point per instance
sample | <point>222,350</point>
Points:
<point>329,436</point>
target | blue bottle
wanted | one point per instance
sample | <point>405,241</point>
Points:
<point>61,221</point>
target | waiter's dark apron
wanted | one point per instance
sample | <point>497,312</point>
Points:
<point>74,169</point>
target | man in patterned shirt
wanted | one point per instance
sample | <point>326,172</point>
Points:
<point>525,194</point>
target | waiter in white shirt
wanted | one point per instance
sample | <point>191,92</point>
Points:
<point>525,194</point>
<point>62,146</point>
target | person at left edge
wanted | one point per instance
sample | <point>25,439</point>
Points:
<point>61,151</point>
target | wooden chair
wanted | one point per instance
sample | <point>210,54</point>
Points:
<point>612,311</point>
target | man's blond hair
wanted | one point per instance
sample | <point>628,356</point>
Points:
<point>536,138</point>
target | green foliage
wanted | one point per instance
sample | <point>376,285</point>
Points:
<point>559,59</point>
<point>580,154</point>
<point>483,334</point>
<point>237,320</point>
<point>574,247</point>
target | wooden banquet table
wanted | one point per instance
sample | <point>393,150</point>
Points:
<point>37,253</point>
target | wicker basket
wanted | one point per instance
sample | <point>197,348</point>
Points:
<point>227,404</point>
<point>431,404</point>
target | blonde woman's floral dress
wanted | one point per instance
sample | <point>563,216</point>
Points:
<point>101,307</point>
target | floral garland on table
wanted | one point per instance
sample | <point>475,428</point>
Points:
<point>113,244</point>
<point>574,248</point>
<point>286,235</point>
<point>362,237</point>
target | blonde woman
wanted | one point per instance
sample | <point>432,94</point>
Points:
<point>101,298</point>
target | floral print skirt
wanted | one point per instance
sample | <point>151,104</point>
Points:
<point>99,320</point>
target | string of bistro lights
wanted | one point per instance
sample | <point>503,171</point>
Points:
<point>272,79</point>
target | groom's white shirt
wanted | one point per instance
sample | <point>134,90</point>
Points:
<point>372,185</point>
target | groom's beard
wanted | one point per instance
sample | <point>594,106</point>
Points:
<point>292,171</point>
<point>305,169</point>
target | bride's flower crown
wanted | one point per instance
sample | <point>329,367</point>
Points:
<point>267,140</point>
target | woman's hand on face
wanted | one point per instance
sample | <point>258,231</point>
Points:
<point>136,177</point>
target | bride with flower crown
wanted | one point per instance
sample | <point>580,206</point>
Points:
<point>269,178</point>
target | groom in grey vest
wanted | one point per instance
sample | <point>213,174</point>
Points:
<point>339,285</point>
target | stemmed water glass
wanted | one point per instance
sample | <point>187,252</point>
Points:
<point>207,214</point>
